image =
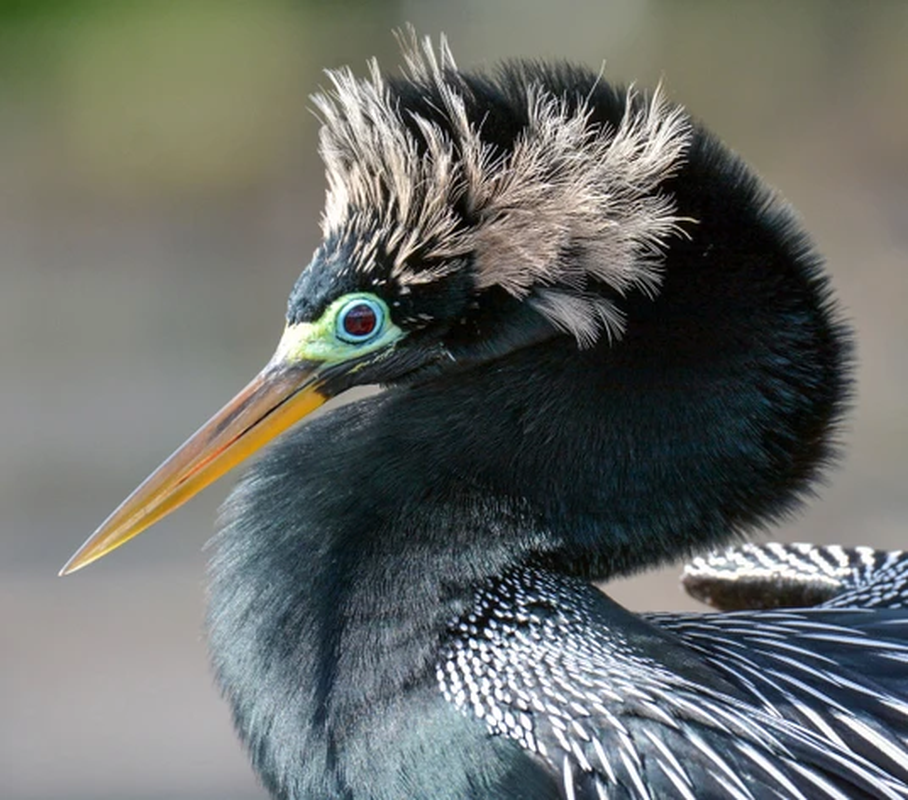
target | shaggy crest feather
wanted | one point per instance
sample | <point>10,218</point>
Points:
<point>572,204</point>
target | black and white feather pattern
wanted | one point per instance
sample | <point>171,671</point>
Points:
<point>792,704</point>
<point>776,575</point>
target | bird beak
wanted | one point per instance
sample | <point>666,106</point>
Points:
<point>281,394</point>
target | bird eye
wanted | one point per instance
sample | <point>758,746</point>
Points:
<point>359,320</point>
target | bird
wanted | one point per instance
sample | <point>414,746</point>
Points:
<point>603,344</point>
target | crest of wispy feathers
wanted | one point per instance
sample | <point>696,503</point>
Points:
<point>572,204</point>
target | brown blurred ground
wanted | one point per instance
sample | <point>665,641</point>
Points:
<point>159,192</point>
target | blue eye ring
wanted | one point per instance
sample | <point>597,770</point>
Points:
<point>359,320</point>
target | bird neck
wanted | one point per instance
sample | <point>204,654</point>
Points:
<point>339,568</point>
<point>347,552</point>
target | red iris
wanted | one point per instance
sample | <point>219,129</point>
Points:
<point>360,320</point>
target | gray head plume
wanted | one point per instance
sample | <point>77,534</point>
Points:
<point>571,203</point>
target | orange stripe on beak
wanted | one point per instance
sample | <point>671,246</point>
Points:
<point>275,399</point>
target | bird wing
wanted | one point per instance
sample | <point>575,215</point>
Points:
<point>777,575</point>
<point>842,674</point>
<point>712,706</point>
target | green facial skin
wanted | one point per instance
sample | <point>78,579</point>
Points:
<point>318,341</point>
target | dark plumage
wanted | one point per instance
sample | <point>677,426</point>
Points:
<point>604,344</point>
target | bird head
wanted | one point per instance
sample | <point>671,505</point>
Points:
<point>465,218</point>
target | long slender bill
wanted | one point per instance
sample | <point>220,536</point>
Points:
<point>276,398</point>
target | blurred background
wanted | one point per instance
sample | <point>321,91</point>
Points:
<point>160,192</point>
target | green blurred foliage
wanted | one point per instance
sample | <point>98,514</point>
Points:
<point>165,98</point>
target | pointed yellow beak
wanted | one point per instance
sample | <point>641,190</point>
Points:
<point>278,396</point>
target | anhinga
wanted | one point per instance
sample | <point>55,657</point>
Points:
<point>604,344</point>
